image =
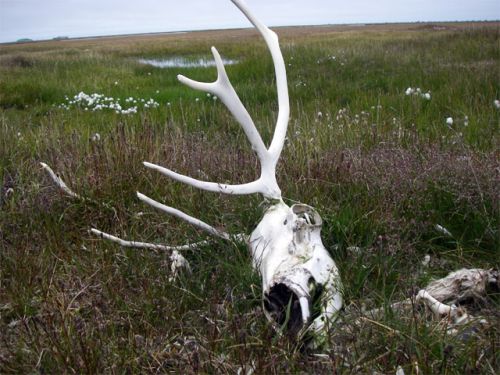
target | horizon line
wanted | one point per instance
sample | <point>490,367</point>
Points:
<point>62,38</point>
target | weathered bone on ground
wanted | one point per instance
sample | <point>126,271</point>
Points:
<point>464,284</point>
<point>177,265</point>
<point>449,298</point>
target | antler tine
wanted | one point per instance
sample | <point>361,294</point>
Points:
<point>181,215</point>
<point>241,189</point>
<point>223,89</point>
<point>59,182</point>
<point>271,39</point>
<point>146,245</point>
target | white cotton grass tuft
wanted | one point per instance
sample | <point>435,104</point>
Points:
<point>418,92</point>
<point>99,102</point>
<point>449,121</point>
<point>496,103</point>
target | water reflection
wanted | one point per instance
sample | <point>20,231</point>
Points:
<point>181,62</point>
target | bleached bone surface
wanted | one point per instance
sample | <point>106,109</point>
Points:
<point>463,284</point>
<point>296,269</point>
<point>178,264</point>
<point>459,288</point>
<point>450,297</point>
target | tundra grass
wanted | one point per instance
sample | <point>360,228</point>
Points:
<point>383,168</point>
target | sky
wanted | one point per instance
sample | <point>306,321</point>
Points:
<point>46,19</point>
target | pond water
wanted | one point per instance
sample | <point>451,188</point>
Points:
<point>181,62</point>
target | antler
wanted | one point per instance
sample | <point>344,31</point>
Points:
<point>266,184</point>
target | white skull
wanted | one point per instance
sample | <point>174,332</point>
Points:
<point>300,281</point>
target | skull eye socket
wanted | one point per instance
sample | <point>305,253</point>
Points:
<point>285,222</point>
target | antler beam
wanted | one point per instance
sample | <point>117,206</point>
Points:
<point>271,39</point>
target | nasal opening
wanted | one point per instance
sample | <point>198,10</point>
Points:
<point>284,307</point>
<point>290,311</point>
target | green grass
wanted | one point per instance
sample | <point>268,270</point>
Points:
<point>381,167</point>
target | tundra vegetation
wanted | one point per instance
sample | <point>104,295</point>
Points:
<point>393,138</point>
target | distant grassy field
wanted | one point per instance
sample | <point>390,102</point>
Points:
<point>382,167</point>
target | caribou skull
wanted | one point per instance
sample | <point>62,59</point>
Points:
<point>300,282</point>
<point>298,274</point>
